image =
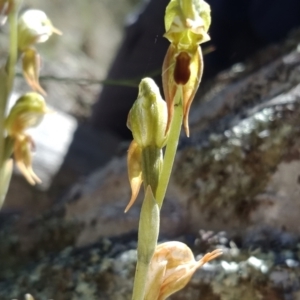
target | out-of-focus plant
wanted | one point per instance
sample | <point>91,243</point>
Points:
<point>164,269</point>
<point>32,27</point>
<point>28,297</point>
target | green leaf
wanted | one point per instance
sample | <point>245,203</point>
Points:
<point>148,228</point>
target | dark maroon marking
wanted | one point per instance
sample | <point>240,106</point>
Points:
<point>182,68</point>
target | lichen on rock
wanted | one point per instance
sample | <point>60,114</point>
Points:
<point>236,165</point>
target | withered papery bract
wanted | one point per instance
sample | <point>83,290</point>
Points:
<point>171,268</point>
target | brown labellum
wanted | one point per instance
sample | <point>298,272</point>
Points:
<point>182,70</point>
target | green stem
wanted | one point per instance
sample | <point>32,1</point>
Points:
<point>7,75</point>
<point>13,48</point>
<point>149,219</point>
<point>3,93</point>
<point>151,167</point>
<point>156,180</point>
<point>147,240</point>
<point>171,149</point>
<point>140,279</point>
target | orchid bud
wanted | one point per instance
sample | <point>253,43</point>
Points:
<point>187,23</point>
<point>147,118</point>
<point>28,297</point>
<point>171,268</point>
<point>31,69</point>
<point>34,27</point>
<point>5,8</point>
<point>27,112</point>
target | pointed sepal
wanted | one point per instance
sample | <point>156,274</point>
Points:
<point>23,147</point>
<point>31,64</point>
<point>134,163</point>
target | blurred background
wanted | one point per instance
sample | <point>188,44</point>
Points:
<point>73,67</point>
<point>91,74</point>
<point>238,174</point>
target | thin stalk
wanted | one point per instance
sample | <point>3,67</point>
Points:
<point>140,279</point>
<point>7,75</point>
<point>147,240</point>
<point>149,219</point>
<point>13,47</point>
<point>3,93</point>
<point>171,149</point>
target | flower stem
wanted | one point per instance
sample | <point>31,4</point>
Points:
<point>171,149</point>
<point>7,75</point>
<point>13,48</point>
<point>149,219</point>
<point>147,240</point>
<point>140,280</point>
